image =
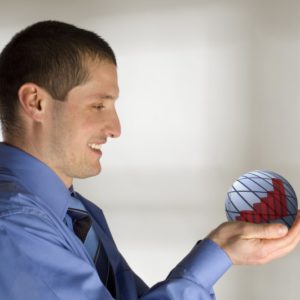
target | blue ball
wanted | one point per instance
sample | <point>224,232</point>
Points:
<point>261,197</point>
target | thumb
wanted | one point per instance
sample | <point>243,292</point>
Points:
<point>264,231</point>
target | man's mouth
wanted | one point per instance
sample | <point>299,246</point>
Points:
<point>95,146</point>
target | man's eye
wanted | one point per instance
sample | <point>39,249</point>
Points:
<point>99,107</point>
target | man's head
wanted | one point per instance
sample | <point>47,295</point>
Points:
<point>50,54</point>
<point>58,86</point>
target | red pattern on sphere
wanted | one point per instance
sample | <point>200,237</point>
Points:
<point>270,208</point>
<point>261,197</point>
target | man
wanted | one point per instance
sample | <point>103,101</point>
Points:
<point>58,88</point>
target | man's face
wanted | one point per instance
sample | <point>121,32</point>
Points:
<point>77,128</point>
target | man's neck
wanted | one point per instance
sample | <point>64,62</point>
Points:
<point>33,151</point>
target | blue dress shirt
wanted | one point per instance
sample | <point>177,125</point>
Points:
<point>42,259</point>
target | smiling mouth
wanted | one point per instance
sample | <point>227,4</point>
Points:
<point>95,146</point>
<point>96,149</point>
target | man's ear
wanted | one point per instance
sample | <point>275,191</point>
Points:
<point>33,100</point>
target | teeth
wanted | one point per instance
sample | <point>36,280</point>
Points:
<point>95,146</point>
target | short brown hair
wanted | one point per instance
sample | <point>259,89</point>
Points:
<point>50,54</point>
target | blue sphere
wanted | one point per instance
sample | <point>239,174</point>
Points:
<point>261,197</point>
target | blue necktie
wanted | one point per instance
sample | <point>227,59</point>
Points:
<point>80,221</point>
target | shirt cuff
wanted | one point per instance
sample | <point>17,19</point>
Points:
<point>205,264</point>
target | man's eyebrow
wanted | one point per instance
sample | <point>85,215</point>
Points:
<point>103,97</point>
<point>108,97</point>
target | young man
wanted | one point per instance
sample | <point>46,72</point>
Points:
<point>58,88</point>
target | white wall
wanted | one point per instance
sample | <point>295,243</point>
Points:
<point>206,89</point>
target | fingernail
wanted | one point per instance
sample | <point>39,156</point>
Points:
<point>282,229</point>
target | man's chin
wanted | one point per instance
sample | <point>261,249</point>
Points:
<point>90,173</point>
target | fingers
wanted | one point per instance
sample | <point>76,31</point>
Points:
<point>270,249</point>
<point>275,252</point>
<point>248,243</point>
<point>230,231</point>
<point>271,231</point>
<point>246,230</point>
<point>287,243</point>
<point>264,231</point>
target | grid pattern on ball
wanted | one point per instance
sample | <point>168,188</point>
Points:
<point>290,193</point>
<point>256,213</point>
<point>287,187</point>
<point>266,177</point>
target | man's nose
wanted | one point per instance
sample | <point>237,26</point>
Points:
<point>114,126</point>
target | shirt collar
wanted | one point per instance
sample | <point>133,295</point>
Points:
<point>36,177</point>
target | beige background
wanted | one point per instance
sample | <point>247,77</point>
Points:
<point>209,90</point>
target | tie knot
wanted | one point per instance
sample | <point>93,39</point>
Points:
<point>81,220</point>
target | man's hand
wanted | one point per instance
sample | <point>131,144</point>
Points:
<point>248,243</point>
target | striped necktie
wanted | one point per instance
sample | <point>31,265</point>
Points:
<point>80,222</point>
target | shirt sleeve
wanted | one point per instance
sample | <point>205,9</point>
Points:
<point>194,276</point>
